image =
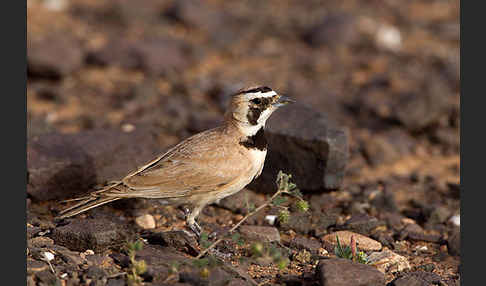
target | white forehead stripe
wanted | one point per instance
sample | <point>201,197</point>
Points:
<point>263,94</point>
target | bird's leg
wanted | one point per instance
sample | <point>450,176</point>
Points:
<point>191,220</point>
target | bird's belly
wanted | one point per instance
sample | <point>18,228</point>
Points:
<point>257,159</point>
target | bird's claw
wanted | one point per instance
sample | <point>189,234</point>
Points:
<point>196,229</point>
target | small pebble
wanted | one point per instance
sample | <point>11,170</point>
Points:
<point>89,252</point>
<point>389,37</point>
<point>271,219</point>
<point>145,221</point>
<point>128,128</point>
<point>455,220</point>
<point>48,255</point>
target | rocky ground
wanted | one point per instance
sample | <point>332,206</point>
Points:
<point>373,143</point>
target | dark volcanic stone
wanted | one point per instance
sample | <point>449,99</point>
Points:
<point>343,272</point>
<point>388,148</point>
<point>300,243</point>
<point>260,233</point>
<point>95,234</point>
<point>454,243</point>
<point>181,240</point>
<point>158,259</point>
<point>419,110</point>
<point>53,56</point>
<point>362,223</point>
<point>222,27</point>
<point>305,143</point>
<point>62,166</point>
<point>217,276</point>
<point>299,222</point>
<point>415,232</point>
<point>418,278</point>
<point>335,29</point>
<point>156,55</point>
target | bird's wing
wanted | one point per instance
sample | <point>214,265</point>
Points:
<point>199,164</point>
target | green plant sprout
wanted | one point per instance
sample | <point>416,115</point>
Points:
<point>350,252</point>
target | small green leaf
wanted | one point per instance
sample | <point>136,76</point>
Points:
<point>257,249</point>
<point>279,200</point>
<point>200,262</point>
<point>283,216</point>
<point>302,205</point>
<point>137,245</point>
<point>283,263</point>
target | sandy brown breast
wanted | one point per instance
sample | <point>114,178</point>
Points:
<point>211,161</point>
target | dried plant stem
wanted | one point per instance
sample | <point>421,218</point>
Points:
<point>267,203</point>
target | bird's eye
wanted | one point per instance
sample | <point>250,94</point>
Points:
<point>256,101</point>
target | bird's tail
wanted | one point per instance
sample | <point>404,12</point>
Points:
<point>87,204</point>
<point>93,200</point>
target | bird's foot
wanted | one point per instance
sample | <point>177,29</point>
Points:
<point>195,228</point>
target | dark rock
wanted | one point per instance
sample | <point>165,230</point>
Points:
<point>419,110</point>
<point>46,277</point>
<point>418,278</point>
<point>69,257</point>
<point>95,272</point>
<point>338,271</point>
<point>299,222</point>
<point>323,203</point>
<point>387,148</point>
<point>221,27</point>
<point>384,237</point>
<point>438,214</point>
<point>34,266</point>
<point>237,203</point>
<point>115,282</point>
<point>311,245</point>
<point>40,241</point>
<point>305,143</point>
<point>362,223</point>
<point>96,234</point>
<point>62,166</point>
<point>179,239</point>
<point>33,231</point>
<point>156,55</point>
<point>415,232</point>
<point>325,220</point>
<point>260,233</point>
<point>454,243</point>
<point>217,276</point>
<point>335,29</point>
<point>385,201</point>
<point>238,282</point>
<point>44,55</point>
<point>158,260</point>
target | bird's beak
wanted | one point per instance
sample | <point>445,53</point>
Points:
<point>283,100</point>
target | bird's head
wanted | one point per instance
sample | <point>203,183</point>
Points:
<point>251,107</point>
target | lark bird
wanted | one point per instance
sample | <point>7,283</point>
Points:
<point>203,168</point>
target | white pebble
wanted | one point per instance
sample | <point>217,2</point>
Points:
<point>145,221</point>
<point>128,127</point>
<point>55,5</point>
<point>49,256</point>
<point>64,275</point>
<point>389,37</point>
<point>271,219</point>
<point>422,248</point>
<point>89,252</point>
<point>455,220</point>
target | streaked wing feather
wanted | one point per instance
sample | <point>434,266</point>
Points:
<point>186,169</point>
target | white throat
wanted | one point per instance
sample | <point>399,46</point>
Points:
<point>250,130</point>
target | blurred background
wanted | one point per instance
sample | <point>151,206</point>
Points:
<point>388,70</point>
